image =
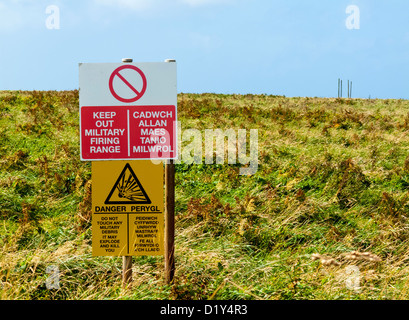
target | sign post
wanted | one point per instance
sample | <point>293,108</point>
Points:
<point>128,114</point>
<point>169,221</point>
<point>169,217</point>
<point>126,260</point>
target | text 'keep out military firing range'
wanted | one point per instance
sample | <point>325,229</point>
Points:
<point>128,116</point>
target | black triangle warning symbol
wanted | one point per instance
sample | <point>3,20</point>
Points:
<point>127,189</point>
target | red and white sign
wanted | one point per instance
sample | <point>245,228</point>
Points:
<point>128,111</point>
<point>135,132</point>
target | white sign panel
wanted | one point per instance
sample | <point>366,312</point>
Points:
<point>118,84</point>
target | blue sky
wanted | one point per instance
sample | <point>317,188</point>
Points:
<point>291,48</point>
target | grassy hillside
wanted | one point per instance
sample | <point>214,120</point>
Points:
<point>324,217</point>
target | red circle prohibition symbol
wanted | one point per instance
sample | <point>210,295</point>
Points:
<point>138,94</point>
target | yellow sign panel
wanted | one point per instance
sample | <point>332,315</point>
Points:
<point>127,208</point>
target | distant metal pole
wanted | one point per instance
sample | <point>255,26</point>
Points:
<point>169,217</point>
<point>348,88</point>
<point>126,260</point>
<point>338,87</point>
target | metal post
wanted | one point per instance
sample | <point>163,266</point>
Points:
<point>126,260</point>
<point>169,217</point>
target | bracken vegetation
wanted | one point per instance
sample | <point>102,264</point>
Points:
<point>331,192</point>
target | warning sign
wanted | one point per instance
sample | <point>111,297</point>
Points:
<point>127,189</point>
<point>127,208</point>
<point>128,111</point>
<point>123,79</point>
<point>114,133</point>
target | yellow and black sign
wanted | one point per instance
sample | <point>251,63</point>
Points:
<point>127,189</point>
<point>127,208</point>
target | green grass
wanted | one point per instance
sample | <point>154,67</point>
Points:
<point>333,178</point>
